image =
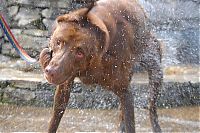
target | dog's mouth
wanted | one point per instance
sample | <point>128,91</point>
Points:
<point>57,80</point>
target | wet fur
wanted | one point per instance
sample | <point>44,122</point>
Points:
<point>100,45</point>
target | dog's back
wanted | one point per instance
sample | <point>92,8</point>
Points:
<point>126,23</point>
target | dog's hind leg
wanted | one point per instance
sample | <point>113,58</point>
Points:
<point>155,81</point>
<point>61,99</point>
<point>152,63</point>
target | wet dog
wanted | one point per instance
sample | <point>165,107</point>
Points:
<point>100,44</point>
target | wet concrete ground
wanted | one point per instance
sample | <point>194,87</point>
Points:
<point>34,119</point>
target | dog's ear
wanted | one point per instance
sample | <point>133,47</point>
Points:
<point>96,21</point>
<point>73,16</point>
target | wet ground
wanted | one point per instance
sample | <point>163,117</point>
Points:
<point>26,119</point>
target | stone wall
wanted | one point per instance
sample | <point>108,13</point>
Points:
<point>40,94</point>
<point>175,22</point>
<point>30,22</point>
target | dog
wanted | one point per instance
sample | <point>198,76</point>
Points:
<point>100,44</point>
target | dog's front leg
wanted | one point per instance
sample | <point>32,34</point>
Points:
<point>127,107</point>
<point>61,99</point>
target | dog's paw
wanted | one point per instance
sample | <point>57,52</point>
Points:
<point>122,127</point>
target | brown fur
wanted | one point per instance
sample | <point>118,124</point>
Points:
<point>100,45</point>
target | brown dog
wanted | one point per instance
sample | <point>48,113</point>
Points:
<point>100,45</point>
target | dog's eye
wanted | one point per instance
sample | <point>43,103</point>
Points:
<point>58,43</point>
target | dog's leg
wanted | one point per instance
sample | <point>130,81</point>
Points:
<point>155,81</point>
<point>151,61</point>
<point>61,98</point>
<point>122,122</point>
<point>127,107</point>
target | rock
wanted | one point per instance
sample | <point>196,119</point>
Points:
<point>1,33</point>
<point>4,58</point>
<point>10,3</point>
<point>184,94</point>
<point>13,10</point>
<point>36,32</point>
<point>32,45</point>
<point>16,31</point>
<point>41,3</point>
<point>44,85</point>
<point>77,88</point>
<point>8,50</point>
<point>53,13</point>
<point>24,66</point>
<point>44,98</point>
<point>26,16</point>
<point>48,24</point>
<point>24,85</point>
<point>47,13</point>
<point>51,3</point>
<point>29,42</point>
<point>63,3</point>
<point>91,97</point>
<point>28,95</point>
<point>4,84</point>
<point>78,101</point>
<point>105,99</point>
<point>23,2</point>
<point>1,94</point>
<point>14,95</point>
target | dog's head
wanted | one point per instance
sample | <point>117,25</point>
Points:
<point>75,41</point>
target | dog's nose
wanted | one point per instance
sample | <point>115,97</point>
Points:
<point>50,71</point>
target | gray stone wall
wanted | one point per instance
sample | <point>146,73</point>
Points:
<point>41,94</point>
<point>175,22</point>
<point>30,22</point>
